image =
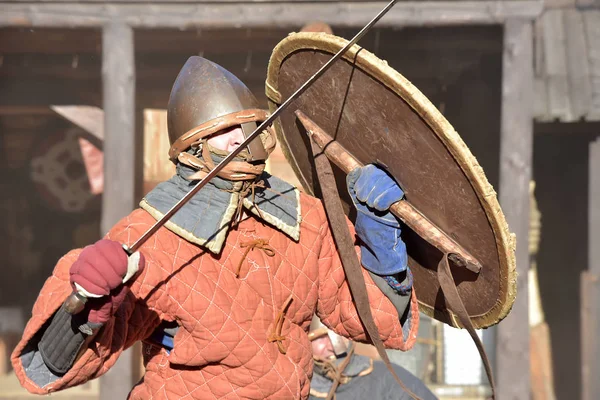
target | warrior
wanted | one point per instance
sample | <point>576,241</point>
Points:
<point>343,373</point>
<point>222,296</point>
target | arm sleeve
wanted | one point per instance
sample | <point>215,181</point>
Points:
<point>133,321</point>
<point>396,317</point>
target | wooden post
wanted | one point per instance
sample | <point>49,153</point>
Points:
<point>253,14</point>
<point>590,306</point>
<point>590,285</point>
<point>594,256</point>
<point>120,166</point>
<point>512,346</point>
<point>118,75</point>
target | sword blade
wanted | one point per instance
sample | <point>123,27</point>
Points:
<point>266,123</point>
<point>76,302</point>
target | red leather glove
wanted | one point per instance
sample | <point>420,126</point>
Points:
<point>100,273</point>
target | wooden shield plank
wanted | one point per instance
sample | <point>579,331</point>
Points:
<point>379,116</point>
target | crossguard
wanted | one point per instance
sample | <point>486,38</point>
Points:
<point>402,209</point>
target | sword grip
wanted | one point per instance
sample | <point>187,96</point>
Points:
<point>75,303</point>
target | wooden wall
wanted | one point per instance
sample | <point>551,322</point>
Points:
<point>561,175</point>
<point>458,68</point>
<point>45,204</point>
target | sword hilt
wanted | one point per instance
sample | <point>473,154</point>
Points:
<point>75,303</point>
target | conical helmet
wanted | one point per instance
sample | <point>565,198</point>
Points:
<point>205,99</point>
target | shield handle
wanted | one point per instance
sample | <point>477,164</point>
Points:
<point>402,209</point>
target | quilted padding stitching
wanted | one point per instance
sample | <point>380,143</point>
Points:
<point>164,290</point>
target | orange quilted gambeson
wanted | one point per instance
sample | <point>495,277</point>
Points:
<point>228,345</point>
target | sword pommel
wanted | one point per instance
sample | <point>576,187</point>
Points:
<point>75,303</point>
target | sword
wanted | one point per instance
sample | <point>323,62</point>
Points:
<point>76,301</point>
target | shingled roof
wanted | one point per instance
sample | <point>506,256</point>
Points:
<point>567,65</point>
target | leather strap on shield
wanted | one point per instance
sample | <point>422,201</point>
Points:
<point>350,262</point>
<point>455,304</point>
<point>353,271</point>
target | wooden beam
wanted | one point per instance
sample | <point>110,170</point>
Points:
<point>88,42</point>
<point>150,67</point>
<point>581,128</point>
<point>250,64</point>
<point>594,214</point>
<point>88,118</point>
<point>25,110</point>
<point>512,346</point>
<point>209,41</point>
<point>208,1</point>
<point>54,40</point>
<point>560,4</point>
<point>555,74</point>
<point>18,96</point>
<point>590,285</point>
<point>118,200</point>
<point>261,14</point>
<point>43,92</point>
<point>55,66</point>
<point>78,47</point>
<point>591,21</point>
<point>588,3</point>
<point>580,88</point>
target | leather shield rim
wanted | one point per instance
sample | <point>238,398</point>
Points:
<point>393,80</point>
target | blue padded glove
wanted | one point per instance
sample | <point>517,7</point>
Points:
<point>373,191</point>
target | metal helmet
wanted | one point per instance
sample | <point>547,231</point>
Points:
<point>205,99</point>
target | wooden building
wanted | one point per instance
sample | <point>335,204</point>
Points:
<point>567,174</point>
<point>473,59</point>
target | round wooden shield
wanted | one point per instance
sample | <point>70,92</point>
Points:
<point>379,116</point>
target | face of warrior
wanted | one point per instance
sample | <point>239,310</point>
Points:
<point>228,139</point>
<point>322,347</point>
